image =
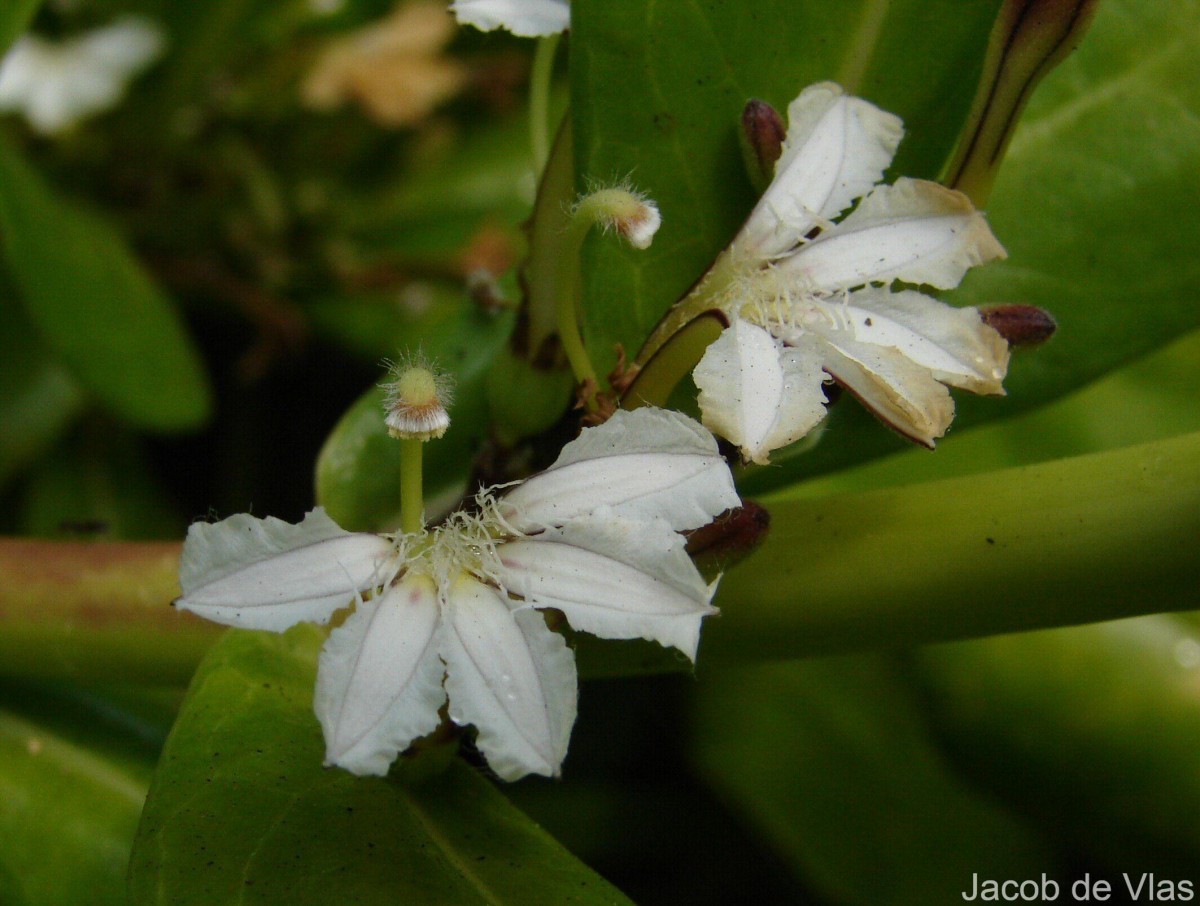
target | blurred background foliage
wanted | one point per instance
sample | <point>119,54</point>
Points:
<point>198,287</point>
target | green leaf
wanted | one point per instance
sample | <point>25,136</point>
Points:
<point>1092,732</point>
<point>1099,208</point>
<point>15,16</point>
<point>658,90</point>
<point>832,759</point>
<point>358,471</point>
<point>1072,541</point>
<point>74,769</point>
<point>241,808</point>
<point>95,306</point>
<point>38,397</point>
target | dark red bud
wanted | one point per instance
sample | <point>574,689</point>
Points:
<point>1021,325</point>
<point>763,132</point>
<point>729,538</point>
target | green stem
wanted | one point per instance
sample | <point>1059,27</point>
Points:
<point>568,310</point>
<point>1074,541</point>
<point>412,502</point>
<point>540,81</point>
<point>1077,540</point>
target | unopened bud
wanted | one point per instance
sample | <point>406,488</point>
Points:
<point>762,138</point>
<point>1020,325</point>
<point>729,538</point>
<point>417,398</point>
<point>630,213</point>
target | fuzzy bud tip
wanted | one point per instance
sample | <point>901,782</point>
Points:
<point>630,213</point>
<point>417,398</point>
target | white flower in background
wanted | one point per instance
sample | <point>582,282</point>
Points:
<point>527,18</point>
<point>453,610</point>
<point>808,299</point>
<point>58,84</point>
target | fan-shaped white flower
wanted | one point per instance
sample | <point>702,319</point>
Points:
<point>527,18</point>
<point>451,613</point>
<point>809,299</point>
<point>58,84</point>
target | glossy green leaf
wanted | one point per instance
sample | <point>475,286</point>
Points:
<point>14,17</point>
<point>658,90</point>
<point>1093,732</point>
<point>1099,208</point>
<point>74,769</point>
<point>358,472</point>
<point>95,306</point>
<point>832,759</point>
<point>38,397</point>
<point>241,809</point>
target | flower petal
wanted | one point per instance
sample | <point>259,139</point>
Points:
<point>757,394</point>
<point>916,231</point>
<point>900,392</point>
<point>955,344</point>
<point>615,578</point>
<point>511,677</point>
<point>270,574</point>
<point>526,18</point>
<point>647,463</point>
<point>379,682</point>
<point>837,148</point>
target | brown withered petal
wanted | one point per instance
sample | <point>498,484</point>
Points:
<point>1020,325</point>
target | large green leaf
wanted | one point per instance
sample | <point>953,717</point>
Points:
<point>74,769</point>
<point>1092,732</point>
<point>241,809</point>
<point>658,90</point>
<point>95,306</point>
<point>833,760</point>
<point>1099,208</point>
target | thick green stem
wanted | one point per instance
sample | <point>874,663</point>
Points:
<point>96,611</point>
<point>1075,541</point>
<point>1079,540</point>
<point>540,80</point>
<point>412,499</point>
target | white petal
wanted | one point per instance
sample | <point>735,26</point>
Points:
<point>953,343</point>
<point>614,578</point>
<point>270,574</point>
<point>511,677</point>
<point>527,18</point>
<point>916,231</point>
<point>837,148</point>
<point>58,84</point>
<point>757,394</point>
<point>379,681</point>
<point>897,390</point>
<point>647,463</point>
<point>122,48</point>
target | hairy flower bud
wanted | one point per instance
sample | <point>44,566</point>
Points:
<point>416,402</point>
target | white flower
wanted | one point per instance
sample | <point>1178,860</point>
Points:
<point>453,611</point>
<point>808,299</point>
<point>58,84</point>
<point>527,18</point>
